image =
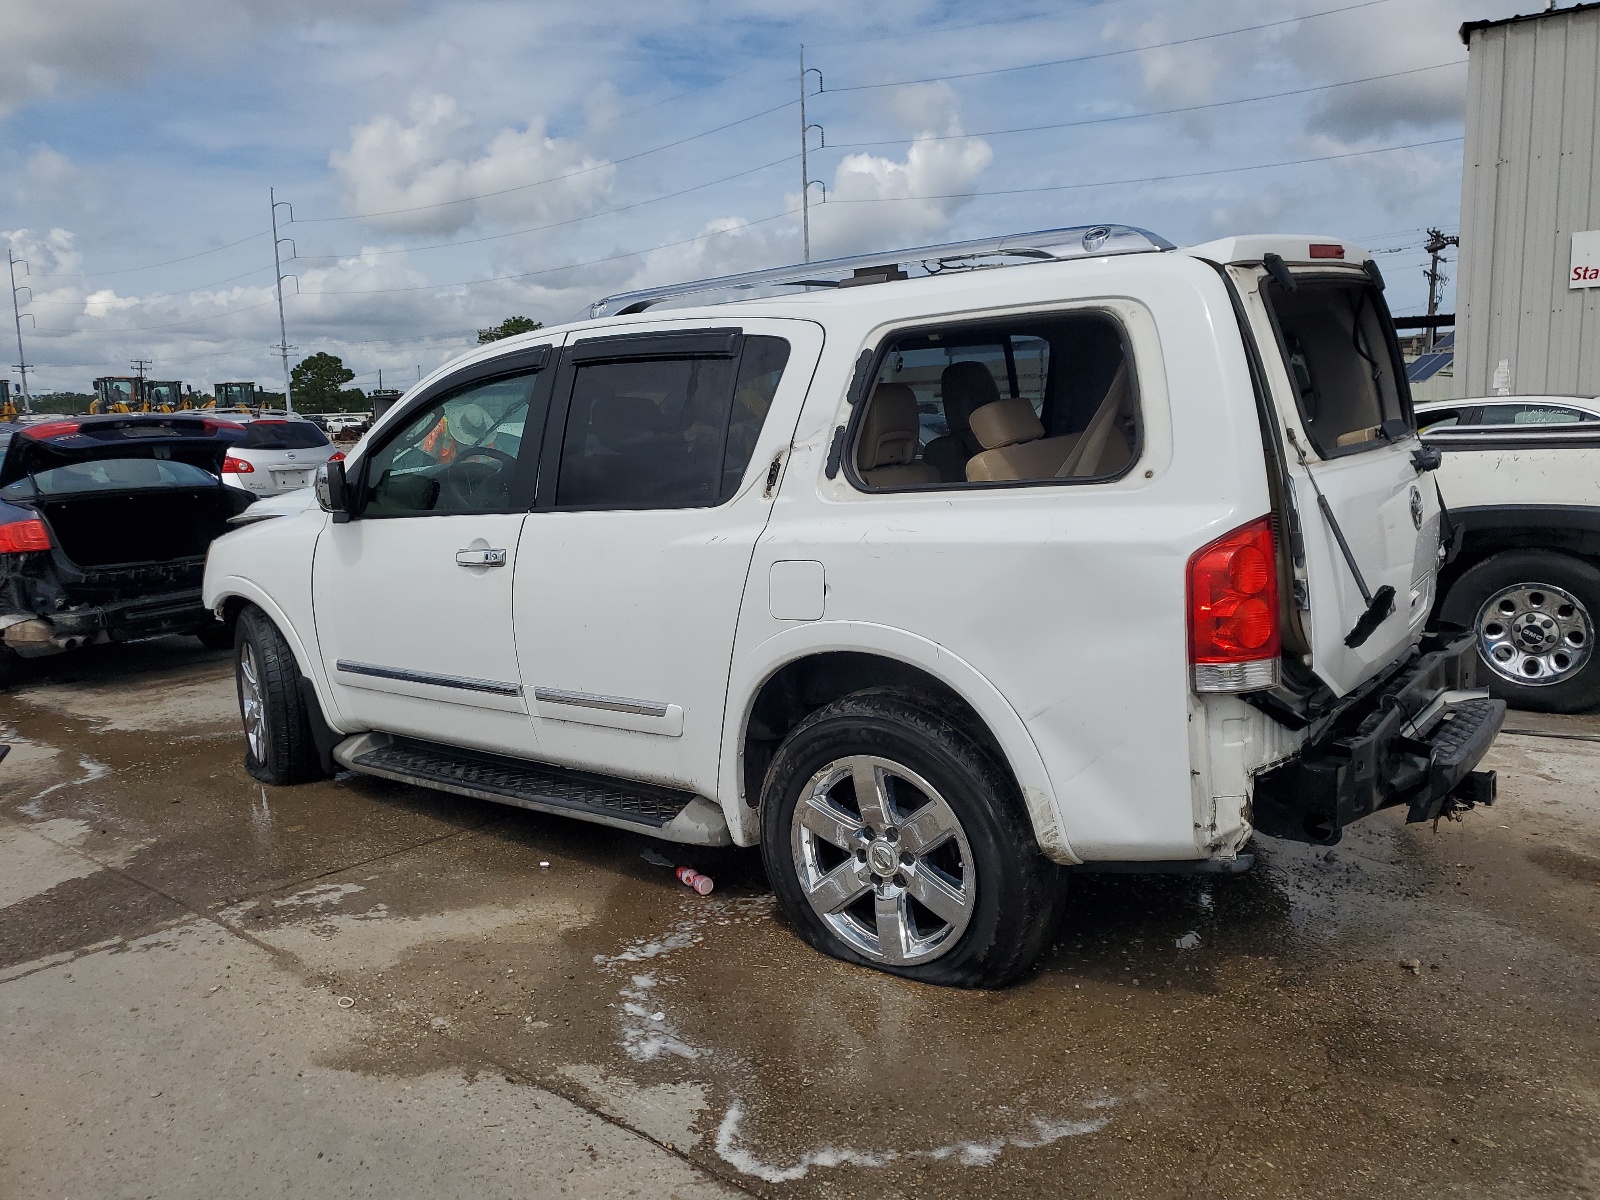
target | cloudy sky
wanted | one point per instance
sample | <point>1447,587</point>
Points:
<point>452,162</point>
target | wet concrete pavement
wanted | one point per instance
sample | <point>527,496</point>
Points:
<point>210,988</point>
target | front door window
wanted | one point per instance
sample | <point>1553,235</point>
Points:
<point>459,455</point>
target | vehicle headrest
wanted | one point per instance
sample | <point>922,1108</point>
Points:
<point>890,431</point>
<point>1005,423</point>
<point>966,387</point>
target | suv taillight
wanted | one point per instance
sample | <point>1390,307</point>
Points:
<point>236,466</point>
<point>20,537</point>
<point>1234,634</point>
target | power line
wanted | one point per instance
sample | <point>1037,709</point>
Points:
<point>494,237</point>
<point>1067,187</point>
<point>152,266</point>
<point>1160,112</point>
<point>1079,58</point>
<point>522,187</point>
<point>593,262</point>
<point>199,287</point>
<point>171,325</point>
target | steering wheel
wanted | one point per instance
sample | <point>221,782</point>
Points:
<point>465,483</point>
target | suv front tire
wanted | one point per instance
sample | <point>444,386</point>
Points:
<point>279,747</point>
<point>893,840</point>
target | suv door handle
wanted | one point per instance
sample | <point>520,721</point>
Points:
<point>480,558</point>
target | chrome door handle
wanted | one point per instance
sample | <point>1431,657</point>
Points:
<point>480,558</point>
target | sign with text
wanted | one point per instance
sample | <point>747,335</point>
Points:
<point>1585,271</point>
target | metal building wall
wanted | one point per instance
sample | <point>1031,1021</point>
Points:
<point>1531,179</point>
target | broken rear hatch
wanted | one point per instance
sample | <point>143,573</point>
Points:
<point>112,511</point>
<point>1338,381</point>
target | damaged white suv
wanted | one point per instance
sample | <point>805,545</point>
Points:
<point>928,572</point>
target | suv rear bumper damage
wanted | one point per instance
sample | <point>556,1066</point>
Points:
<point>1416,740</point>
<point>36,634</point>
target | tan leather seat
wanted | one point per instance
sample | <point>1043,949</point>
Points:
<point>1014,445</point>
<point>964,387</point>
<point>889,438</point>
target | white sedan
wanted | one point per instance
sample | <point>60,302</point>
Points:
<point>1508,410</point>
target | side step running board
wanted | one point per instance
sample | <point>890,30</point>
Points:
<point>674,816</point>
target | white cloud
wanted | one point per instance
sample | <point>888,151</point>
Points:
<point>876,201</point>
<point>53,47</point>
<point>426,165</point>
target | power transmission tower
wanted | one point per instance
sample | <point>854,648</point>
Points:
<point>805,168</point>
<point>283,346</point>
<point>1437,244</point>
<point>16,312</point>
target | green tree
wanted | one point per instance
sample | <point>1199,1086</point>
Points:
<point>318,380</point>
<point>510,327</point>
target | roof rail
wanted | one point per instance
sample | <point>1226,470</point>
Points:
<point>1045,245</point>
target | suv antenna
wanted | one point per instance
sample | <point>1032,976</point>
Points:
<point>16,312</point>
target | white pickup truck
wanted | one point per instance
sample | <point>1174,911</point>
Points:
<point>1524,500</point>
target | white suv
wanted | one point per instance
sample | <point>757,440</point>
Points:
<point>929,572</point>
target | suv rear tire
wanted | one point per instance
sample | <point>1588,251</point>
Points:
<point>936,877</point>
<point>279,748</point>
<point>1534,614</point>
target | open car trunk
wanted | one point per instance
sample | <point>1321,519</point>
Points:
<point>137,527</point>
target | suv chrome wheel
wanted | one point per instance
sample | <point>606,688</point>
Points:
<point>1535,634</point>
<point>252,704</point>
<point>883,860</point>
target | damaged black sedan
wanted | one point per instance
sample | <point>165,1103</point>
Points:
<point>104,527</point>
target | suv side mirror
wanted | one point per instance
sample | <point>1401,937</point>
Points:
<point>332,493</point>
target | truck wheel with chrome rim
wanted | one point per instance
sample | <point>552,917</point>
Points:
<point>1534,614</point>
<point>279,748</point>
<point>894,840</point>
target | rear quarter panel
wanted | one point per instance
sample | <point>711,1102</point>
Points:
<point>1066,602</point>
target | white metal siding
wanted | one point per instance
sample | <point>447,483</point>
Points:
<point>1529,182</point>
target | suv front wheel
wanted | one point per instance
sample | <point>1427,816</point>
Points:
<point>894,841</point>
<point>279,747</point>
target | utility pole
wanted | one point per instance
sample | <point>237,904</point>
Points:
<point>140,397</point>
<point>1436,246</point>
<point>16,312</point>
<point>805,168</point>
<point>283,346</point>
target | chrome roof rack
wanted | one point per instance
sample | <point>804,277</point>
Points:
<point>1045,245</point>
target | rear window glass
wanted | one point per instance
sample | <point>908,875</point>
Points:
<point>108,475</point>
<point>1342,363</point>
<point>282,435</point>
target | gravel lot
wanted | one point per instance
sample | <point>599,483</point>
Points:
<point>213,989</point>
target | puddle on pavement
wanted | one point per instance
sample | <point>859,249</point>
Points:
<point>1184,1034</point>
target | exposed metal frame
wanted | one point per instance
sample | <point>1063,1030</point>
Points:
<point>1045,245</point>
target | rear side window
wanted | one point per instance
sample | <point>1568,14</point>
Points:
<point>666,433</point>
<point>108,475</point>
<point>1531,414</point>
<point>282,435</point>
<point>1031,400</point>
<point>1344,366</point>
